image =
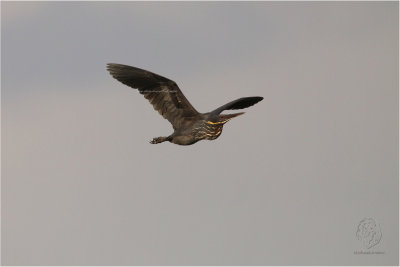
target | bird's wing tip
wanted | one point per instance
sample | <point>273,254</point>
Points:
<point>109,66</point>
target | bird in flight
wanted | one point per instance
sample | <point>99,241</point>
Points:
<point>190,126</point>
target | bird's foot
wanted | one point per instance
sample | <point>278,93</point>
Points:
<point>157,140</point>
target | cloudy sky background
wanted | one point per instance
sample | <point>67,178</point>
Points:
<point>287,183</point>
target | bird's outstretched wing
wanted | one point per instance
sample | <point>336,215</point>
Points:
<point>162,93</point>
<point>240,103</point>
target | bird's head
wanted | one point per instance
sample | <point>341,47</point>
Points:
<point>220,119</point>
<point>224,118</point>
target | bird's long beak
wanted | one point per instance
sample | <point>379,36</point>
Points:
<point>227,117</point>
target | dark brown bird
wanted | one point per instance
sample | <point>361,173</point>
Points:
<point>189,125</point>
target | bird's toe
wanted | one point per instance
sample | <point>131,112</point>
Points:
<point>154,141</point>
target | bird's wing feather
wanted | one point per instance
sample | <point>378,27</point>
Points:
<point>240,103</point>
<point>162,93</point>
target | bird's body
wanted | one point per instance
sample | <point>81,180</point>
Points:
<point>190,126</point>
<point>202,127</point>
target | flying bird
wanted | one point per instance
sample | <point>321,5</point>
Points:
<point>190,126</point>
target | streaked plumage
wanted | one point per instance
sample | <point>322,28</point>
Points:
<point>189,125</point>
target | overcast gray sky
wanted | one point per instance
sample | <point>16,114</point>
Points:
<point>286,183</point>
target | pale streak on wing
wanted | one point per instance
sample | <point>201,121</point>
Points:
<point>163,94</point>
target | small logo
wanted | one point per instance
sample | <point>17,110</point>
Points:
<point>369,233</point>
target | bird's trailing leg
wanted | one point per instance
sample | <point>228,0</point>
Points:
<point>157,140</point>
